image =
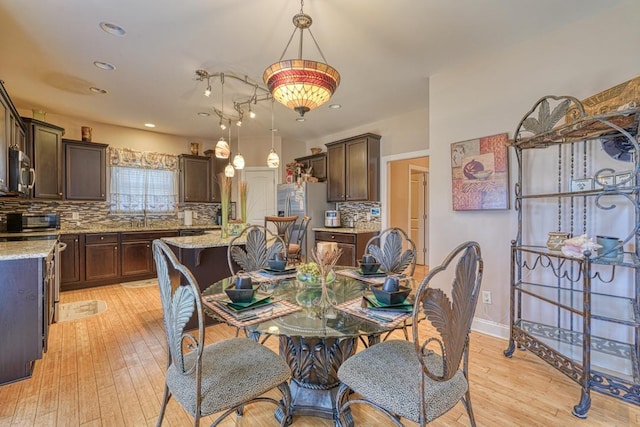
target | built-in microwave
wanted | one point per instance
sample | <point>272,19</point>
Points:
<point>21,174</point>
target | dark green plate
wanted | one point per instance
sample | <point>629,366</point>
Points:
<point>241,306</point>
<point>374,304</point>
<point>278,272</point>
<point>376,274</point>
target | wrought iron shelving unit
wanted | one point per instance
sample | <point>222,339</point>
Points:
<point>579,314</point>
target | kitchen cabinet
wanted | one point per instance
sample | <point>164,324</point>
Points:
<point>137,252</point>
<point>353,166</point>
<point>317,163</point>
<point>95,259</point>
<point>102,259</point>
<point>217,167</point>
<point>12,134</point>
<point>578,310</point>
<point>24,314</point>
<point>195,178</point>
<point>353,245</point>
<point>44,147</point>
<point>71,260</point>
<point>85,170</point>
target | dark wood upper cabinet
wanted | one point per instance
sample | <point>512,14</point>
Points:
<point>12,134</point>
<point>44,147</point>
<point>195,178</point>
<point>353,169</point>
<point>85,170</point>
<point>217,167</point>
<point>317,163</point>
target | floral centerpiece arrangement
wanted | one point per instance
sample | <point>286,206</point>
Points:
<point>314,277</point>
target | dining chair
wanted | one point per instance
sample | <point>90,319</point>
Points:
<point>219,377</point>
<point>260,245</point>
<point>422,379</point>
<point>389,251</point>
<point>283,225</point>
<point>294,252</point>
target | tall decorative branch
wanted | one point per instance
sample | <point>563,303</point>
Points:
<point>243,189</point>
<point>225,195</point>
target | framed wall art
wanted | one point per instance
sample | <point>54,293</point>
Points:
<point>480,173</point>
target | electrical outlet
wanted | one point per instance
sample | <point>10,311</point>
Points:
<point>486,297</point>
<point>75,215</point>
<point>195,215</point>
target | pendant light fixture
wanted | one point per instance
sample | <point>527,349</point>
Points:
<point>301,84</point>
<point>238,160</point>
<point>273,161</point>
<point>222,150</point>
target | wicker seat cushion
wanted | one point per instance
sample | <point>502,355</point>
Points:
<point>233,371</point>
<point>293,248</point>
<point>388,375</point>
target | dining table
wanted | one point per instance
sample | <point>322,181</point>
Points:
<point>314,341</point>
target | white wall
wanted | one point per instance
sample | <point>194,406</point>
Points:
<point>400,134</point>
<point>490,96</point>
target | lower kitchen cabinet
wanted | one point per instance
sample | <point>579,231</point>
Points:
<point>352,244</point>
<point>95,259</point>
<point>137,252</point>
<point>71,259</point>
<point>102,259</point>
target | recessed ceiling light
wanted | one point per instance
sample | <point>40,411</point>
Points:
<point>335,106</point>
<point>97,90</point>
<point>104,65</point>
<point>203,114</point>
<point>150,125</point>
<point>113,29</point>
<point>300,119</point>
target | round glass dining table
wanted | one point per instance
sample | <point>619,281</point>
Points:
<point>313,342</point>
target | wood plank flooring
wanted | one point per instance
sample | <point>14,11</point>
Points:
<point>108,370</point>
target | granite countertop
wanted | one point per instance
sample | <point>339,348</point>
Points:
<point>26,249</point>
<point>347,230</point>
<point>210,239</point>
<point>117,228</point>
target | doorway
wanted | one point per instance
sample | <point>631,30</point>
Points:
<point>406,199</point>
<point>261,193</point>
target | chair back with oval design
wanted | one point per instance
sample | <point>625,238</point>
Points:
<point>260,245</point>
<point>390,251</point>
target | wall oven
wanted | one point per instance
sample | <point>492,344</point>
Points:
<point>20,222</point>
<point>21,174</point>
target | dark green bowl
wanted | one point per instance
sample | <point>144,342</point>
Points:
<point>240,295</point>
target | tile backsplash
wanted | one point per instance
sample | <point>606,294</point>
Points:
<point>99,213</point>
<point>360,213</point>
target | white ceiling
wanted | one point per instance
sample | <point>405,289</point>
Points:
<point>385,50</point>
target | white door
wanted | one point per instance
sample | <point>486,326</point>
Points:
<point>418,224</point>
<point>261,193</point>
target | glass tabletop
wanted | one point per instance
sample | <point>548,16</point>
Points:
<point>345,319</point>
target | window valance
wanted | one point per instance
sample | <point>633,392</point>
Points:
<point>125,157</point>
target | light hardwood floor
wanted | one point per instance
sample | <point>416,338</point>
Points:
<point>107,370</point>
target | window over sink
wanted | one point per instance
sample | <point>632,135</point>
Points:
<point>139,189</point>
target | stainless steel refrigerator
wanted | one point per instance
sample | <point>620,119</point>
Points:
<point>308,198</point>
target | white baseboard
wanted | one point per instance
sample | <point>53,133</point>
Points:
<point>489,327</point>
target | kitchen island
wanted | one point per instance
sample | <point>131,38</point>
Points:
<point>26,305</point>
<point>205,256</point>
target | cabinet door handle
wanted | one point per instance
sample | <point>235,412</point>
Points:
<point>115,248</point>
<point>59,194</point>
<point>102,195</point>
<point>101,237</point>
<point>333,237</point>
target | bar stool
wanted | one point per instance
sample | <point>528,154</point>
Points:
<point>283,224</point>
